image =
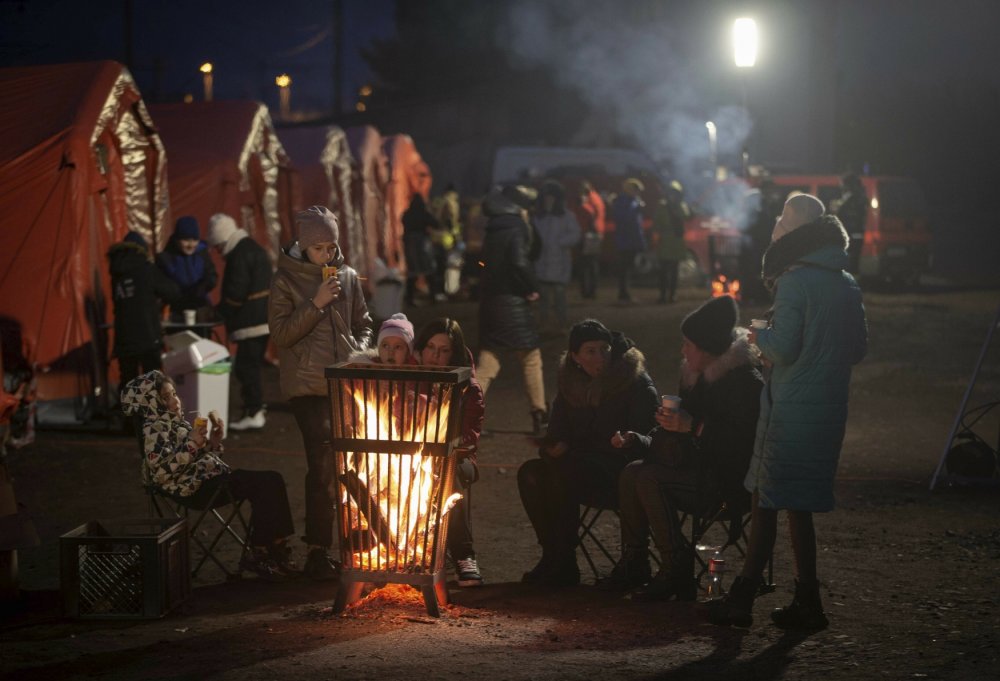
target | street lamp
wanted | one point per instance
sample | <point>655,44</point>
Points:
<point>206,70</point>
<point>745,42</point>
<point>713,146</point>
<point>284,83</point>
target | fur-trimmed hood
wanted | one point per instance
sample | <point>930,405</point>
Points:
<point>581,389</point>
<point>739,353</point>
<point>822,243</point>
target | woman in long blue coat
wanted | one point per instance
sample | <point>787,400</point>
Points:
<point>816,333</point>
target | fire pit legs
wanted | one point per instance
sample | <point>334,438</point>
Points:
<point>433,588</point>
<point>347,593</point>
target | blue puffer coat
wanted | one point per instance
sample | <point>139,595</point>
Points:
<point>818,332</point>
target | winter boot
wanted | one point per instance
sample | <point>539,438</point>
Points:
<point>735,608</point>
<point>805,612</point>
<point>673,580</point>
<point>539,422</point>
<point>631,571</point>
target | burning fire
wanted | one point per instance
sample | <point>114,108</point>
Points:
<point>721,286</point>
<point>392,497</point>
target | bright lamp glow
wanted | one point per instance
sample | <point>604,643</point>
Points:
<point>745,42</point>
<point>206,67</point>
<point>284,80</point>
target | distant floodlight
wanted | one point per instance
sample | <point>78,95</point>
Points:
<point>206,67</point>
<point>745,42</point>
<point>284,80</point>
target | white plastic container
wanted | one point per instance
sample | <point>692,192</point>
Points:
<point>200,368</point>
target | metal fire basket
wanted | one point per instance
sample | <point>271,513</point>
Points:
<point>394,431</point>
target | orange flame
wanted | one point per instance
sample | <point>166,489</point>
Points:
<point>401,485</point>
<point>722,286</point>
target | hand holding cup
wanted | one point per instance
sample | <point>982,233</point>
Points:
<point>327,292</point>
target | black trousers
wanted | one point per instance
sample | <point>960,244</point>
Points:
<point>668,279</point>
<point>626,259</point>
<point>459,542</point>
<point>590,270</point>
<point>552,490</point>
<point>270,515</point>
<point>312,414</point>
<point>249,359</point>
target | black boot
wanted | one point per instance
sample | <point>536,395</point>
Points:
<point>805,612</point>
<point>665,586</point>
<point>542,568</point>
<point>631,571</point>
<point>736,607</point>
<point>539,422</point>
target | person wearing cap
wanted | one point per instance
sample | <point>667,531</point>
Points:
<point>507,288</point>
<point>441,343</point>
<point>187,262</point>
<point>626,211</point>
<point>246,283</point>
<point>317,318</point>
<point>816,333</point>
<point>138,291</point>
<point>603,389</point>
<point>695,459</point>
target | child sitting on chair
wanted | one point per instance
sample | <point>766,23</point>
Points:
<point>184,462</point>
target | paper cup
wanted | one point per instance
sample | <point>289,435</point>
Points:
<point>329,271</point>
<point>671,403</point>
<point>758,323</point>
<point>190,317</point>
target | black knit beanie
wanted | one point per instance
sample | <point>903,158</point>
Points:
<point>588,330</point>
<point>710,327</point>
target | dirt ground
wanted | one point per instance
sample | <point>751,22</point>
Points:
<point>910,577</point>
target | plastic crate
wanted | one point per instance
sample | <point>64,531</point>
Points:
<point>125,569</point>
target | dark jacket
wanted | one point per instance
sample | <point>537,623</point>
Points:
<point>505,319</point>
<point>587,411</point>
<point>246,286</point>
<point>818,332</point>
<point>418,222</point>
<point>138,290</point>
<point>194,274</point>
<point>724,401</point>
<point>626,211</point>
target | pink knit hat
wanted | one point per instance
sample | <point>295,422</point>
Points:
<point>315,225</point>
<point>397,325</point>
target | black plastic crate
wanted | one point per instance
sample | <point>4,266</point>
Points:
<point>124,569</point>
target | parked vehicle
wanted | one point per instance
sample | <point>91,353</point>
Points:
<point>896,244</point>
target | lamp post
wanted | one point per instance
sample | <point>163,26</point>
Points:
<point>206,70</point>
<point>713,147</point>
<point>284,83</point>
<point>745,56</point>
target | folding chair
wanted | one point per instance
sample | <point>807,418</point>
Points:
<point>735,536</point>
<point>589,515</point>
<point>232,523</point>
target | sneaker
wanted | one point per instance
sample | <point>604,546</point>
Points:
<point>255,422</point>
<point>284,560</point>
<point>320,567</point>
<point>467,571</point>
<point>263,566</point>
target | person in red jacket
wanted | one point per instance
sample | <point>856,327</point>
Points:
<point>590,214</point>
<point>441,343</point>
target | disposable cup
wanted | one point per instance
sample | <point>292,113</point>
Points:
<point>758,323</point>
<point>190,316</point>
<point>671,403</point>
<point>200,422</point>
<point>329,271</point>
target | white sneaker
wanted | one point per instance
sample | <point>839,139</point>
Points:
<point>255,422</point>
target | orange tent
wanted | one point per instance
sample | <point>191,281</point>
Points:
<point>370,182</point>
<point>408,176</point>
<point>226,158</point>
<point>80,164</point>
<point>324,169</point>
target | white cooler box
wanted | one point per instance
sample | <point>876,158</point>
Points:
<point>200,368</point>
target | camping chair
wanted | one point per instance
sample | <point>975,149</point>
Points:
<point>207,523</point>
<point>586,534</point>
<point>735,529</point>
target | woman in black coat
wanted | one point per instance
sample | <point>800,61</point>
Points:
<point>508,286</point>
<point>603,389</point>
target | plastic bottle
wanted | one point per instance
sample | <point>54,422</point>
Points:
<point>716,572</point>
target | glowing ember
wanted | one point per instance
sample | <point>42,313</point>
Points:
<point>722,286</point>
